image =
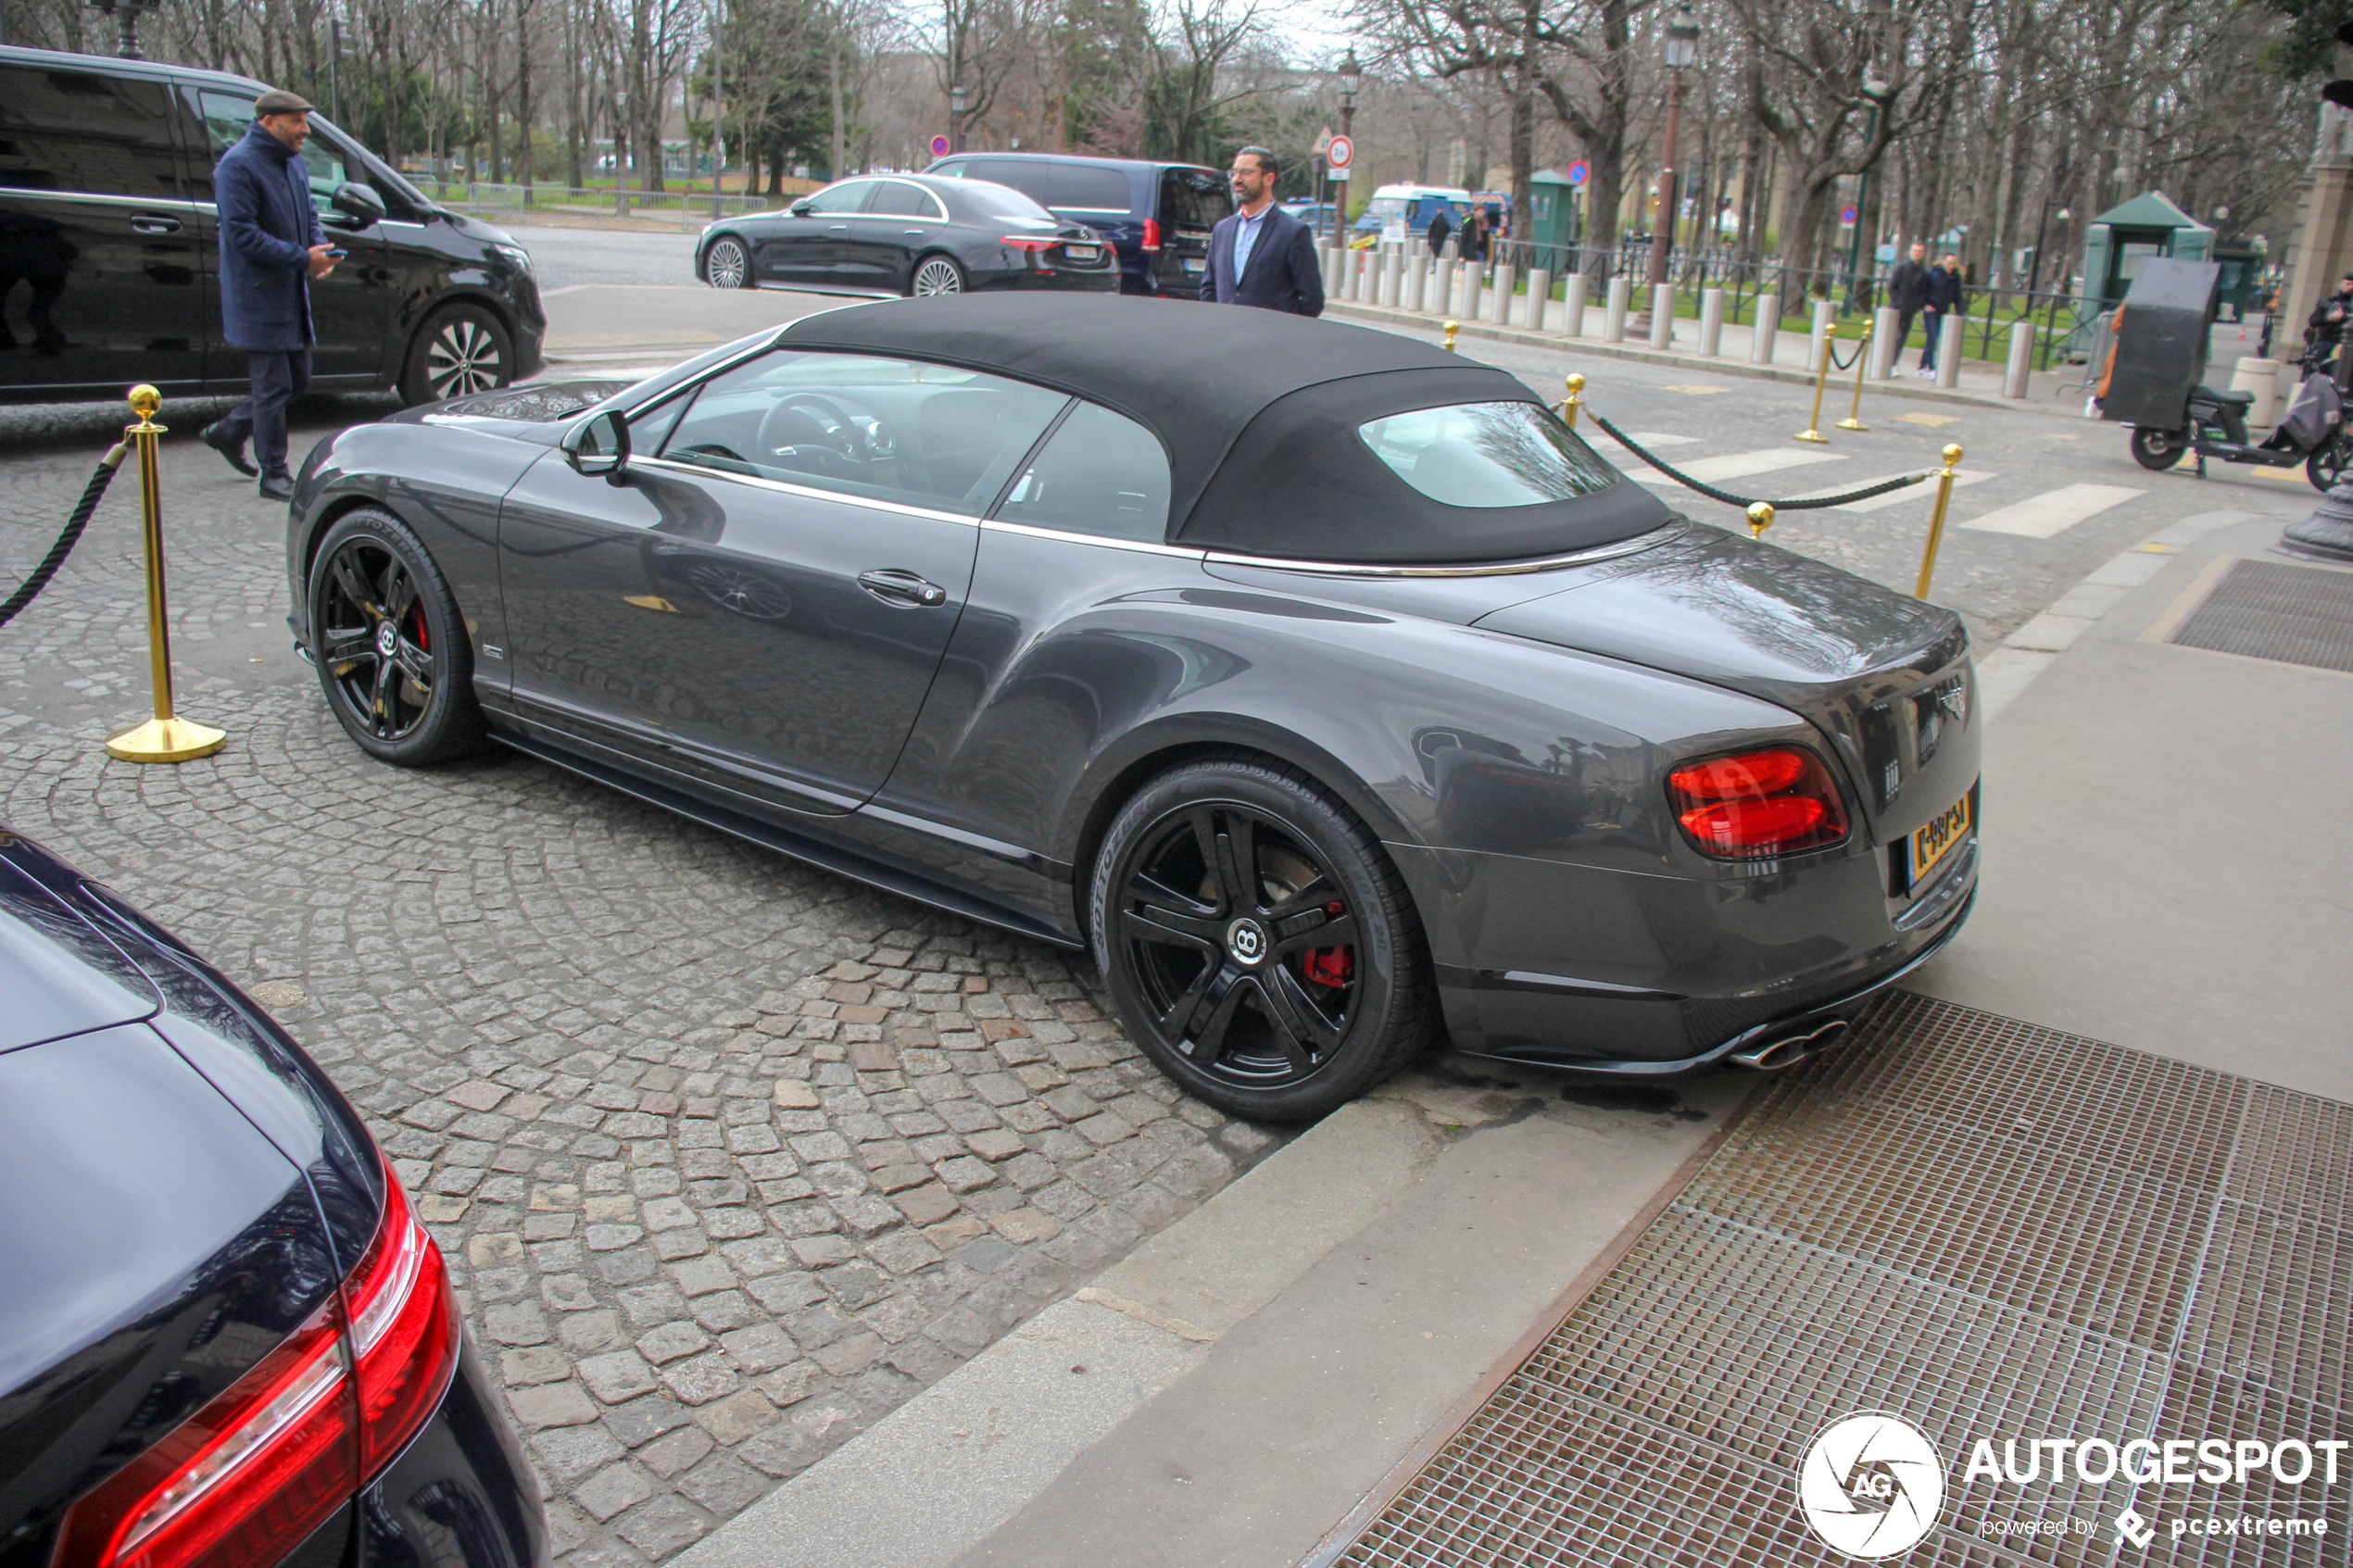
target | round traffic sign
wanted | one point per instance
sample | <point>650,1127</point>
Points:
<point>1579,171</point>
<point>939,146</point>
<point>1340,152</point>
<point>1848,215</point>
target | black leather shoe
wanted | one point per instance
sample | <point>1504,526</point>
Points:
<point>277,487</point>
<point>234,450</point>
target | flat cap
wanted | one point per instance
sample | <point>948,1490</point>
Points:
<point>279,101</point>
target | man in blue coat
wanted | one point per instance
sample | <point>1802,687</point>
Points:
<point>1261,255</point>
<point>271,246</point>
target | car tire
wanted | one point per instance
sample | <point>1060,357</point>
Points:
<point>391,651</point>
<point>460,349</point>
<point>727,265</point>
<point>2157,449</point>
<point>1226,990</point>
<point>2329,460</point>
<point>935,274</point>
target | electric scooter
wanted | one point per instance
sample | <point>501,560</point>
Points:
<point>2312,431</point>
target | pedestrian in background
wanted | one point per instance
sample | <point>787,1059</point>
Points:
<point>271,246</point>
<point>1941,297</point>
<point>1259,253</point>
<point>1908,294</point>
<point>1440,228</point>
<point>1474,239</point>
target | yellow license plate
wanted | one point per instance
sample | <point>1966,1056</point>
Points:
<point>1935,839</point>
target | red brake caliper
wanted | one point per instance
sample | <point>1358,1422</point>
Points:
<point>1329,966</point>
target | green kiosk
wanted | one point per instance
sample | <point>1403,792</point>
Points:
<point>1554,222</point>
<point>2119,238</point>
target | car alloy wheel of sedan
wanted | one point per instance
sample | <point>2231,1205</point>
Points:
<point>937,275</point>
<point>462,358</point>
<point>727,267</point>
<point>390,648</point>
<point>1253,943</point>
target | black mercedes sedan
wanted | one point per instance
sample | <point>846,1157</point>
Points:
<point>225,1339</point>
<point>906,234</point>
<point>1324,684</point>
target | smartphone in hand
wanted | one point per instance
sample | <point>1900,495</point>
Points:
<point>338,255</point>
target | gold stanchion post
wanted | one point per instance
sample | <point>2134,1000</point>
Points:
<point>1574,401</point>
<point>1452,328</point>
<point>1854,420</point>
<point>1813,430</point>
<point>167,737</point>
<point>1936,523</point>
<point>1760,518</point>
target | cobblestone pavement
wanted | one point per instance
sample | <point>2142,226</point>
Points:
<point>730,1156</point>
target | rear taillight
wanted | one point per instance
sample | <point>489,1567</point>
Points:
<point>1023,242</point>
<point>246,1479</point>
<point>1757,803</point>
<point>1151,233</point>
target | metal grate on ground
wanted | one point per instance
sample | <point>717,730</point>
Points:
<point>1992,1229</point>
<point>2264,609</point>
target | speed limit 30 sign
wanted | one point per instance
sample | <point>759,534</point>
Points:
<point>1340,151</point>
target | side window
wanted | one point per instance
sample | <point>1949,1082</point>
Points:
<point>1029,179</point>
<point>956,171</point>
<point>885,429</point>
<point>325,164</point>
<point>835,200</point>
<point>79,131</point>
<point>1102,474</point>
<point>226,118</point>
<point>1087,188</point>
<point>896,198</point>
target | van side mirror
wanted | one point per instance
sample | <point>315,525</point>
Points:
<point>357,204</point>
<point>599,444</point>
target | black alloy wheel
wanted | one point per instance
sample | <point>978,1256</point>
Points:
<point>728,265</point>
<point>389,642</point>
<point>2158,449</point>
<point>1259,946</point>
<point>2329,460</point>
<point>460,350</point>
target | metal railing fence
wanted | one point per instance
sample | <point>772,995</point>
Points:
<point>685,204</point>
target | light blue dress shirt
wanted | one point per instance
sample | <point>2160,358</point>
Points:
<point>1246,239</point>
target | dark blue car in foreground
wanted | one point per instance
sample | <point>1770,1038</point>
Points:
<point>225,1338</point>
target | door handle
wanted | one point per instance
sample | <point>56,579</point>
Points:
<point>903,588</point>
<point>919,232</point>
<point>837,229</point>
<point>155,224</point>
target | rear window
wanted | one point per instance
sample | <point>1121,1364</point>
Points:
<point>1193,198</point>
<point>1486,455</point>
<point>1089,188</point>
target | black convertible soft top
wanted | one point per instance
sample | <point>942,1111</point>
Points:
<point>1259,412</point>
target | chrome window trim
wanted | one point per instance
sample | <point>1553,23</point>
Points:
<point>169,206</point>
<point>1641,541</point>
<point>759,481</point>
<point>939,213</point>
<point>1148,547</point>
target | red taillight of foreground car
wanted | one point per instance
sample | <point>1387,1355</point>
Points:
<point>246,1479</point>
<point>1757,803</point>
<point>1023,242</point>
<point>1151,233</point>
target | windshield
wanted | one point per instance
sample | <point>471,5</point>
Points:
<point>1488,455</point>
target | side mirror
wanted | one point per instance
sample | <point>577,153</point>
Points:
<point>357,203</point>
<point>802,208</point>
<point>599,444</point>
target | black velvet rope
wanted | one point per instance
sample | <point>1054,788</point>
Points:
<point>1847,363</point>
<point>1811,504</point>
<point>65,540</point>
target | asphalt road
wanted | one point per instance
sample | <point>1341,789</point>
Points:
<point>567,257</point>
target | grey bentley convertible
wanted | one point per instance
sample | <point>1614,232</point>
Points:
<point>1323,685</point>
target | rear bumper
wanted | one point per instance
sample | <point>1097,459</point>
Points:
<point>461,1495</point>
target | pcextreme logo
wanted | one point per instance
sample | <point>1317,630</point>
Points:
<point>1870,1485</point>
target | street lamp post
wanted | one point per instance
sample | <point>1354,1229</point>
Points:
<point>126,19</point>
<point>1352,76</point>
<point>1683,48</point>
<point>1874,89</point>
<point>718,106</point>
<point>955,121</point>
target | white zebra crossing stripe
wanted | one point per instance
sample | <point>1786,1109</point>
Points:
<point>2052,513</point>
<point>1739,465</point>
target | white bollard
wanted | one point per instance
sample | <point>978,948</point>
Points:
<point>2021,363</point>
<point>1621,295</point>
<point>1573,307</point>
<point>1662,315</point>
<point>1539,299</point>
<point>1468,310</point>
<point>1417,282</point>
<point>1711,322</point>
<point>1948,351</point>
<point>1442,285</point>
<point>1499,309</point>
<point>1392,273</point>
<point>1768,328</point>
<point>1885,350</point>
<point>1825,315</point>
<point>1330,261</point>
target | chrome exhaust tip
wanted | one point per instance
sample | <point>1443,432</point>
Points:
<point>1785,1051</point>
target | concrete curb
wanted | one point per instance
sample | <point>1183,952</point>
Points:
<point>936,1476</point>
<point>1717,365</point>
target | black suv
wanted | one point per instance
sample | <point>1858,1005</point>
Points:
<point>1157,216</point>
<point>109,254</point>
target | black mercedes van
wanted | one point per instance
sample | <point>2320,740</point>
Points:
<point>1157,216</point>
<point>109,255</point>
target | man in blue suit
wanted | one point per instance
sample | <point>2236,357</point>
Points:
<point>1262,255</point>
<point>271,246</point>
